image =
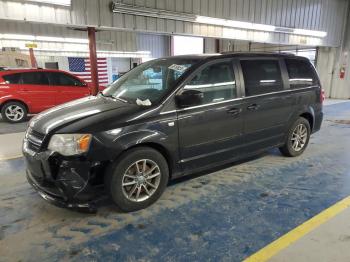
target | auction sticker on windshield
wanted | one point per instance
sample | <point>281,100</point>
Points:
<point>179,68</point>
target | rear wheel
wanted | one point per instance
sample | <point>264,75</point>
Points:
<point>14,112</point>
<point>137,179</point>
<point>298,138</point>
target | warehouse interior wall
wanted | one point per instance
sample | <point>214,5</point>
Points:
<point>330,63</point>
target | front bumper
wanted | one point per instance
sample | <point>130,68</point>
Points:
<point>59,200</point>
<point>64,183</point>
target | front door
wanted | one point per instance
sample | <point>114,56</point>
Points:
<point>34,87</point>
<point>211,131</point>
<point>68,87</point>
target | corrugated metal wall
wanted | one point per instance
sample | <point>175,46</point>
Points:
<point>158,45</point>
<point>123,41</point>
<point>106,40</point>
<point>325,15</point>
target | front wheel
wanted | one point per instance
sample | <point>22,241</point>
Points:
<point>297,139</point>
<point>137,179</point>
<point>14,112</point>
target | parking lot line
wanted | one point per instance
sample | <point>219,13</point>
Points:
<point>281,243</point>
<point>11,157</point>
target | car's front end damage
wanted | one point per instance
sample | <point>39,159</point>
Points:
<point>65,181</point>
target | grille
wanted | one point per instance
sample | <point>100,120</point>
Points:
<point>35,140</point>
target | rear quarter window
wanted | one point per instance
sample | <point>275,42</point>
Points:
<point>301,73</point>
<point>12,78</point>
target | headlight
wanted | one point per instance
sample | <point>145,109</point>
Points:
<point>70,144</point>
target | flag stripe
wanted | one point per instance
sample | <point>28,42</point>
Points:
<point>81,67</point>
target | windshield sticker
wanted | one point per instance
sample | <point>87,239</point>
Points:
<point>146,102</point>
<point>179,68</point>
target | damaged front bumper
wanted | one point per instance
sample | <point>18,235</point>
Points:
<point>67,183</point>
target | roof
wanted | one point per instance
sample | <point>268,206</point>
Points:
<point>235,54</point>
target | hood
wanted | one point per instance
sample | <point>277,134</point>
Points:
<point>65,114</point>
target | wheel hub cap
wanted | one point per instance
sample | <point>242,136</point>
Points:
<point>14,113</point>
<point>299,137</point>
<point>141,180</point>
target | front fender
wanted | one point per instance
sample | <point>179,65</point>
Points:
<point>108,146</point>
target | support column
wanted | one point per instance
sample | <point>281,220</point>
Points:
<point>32,58</point>
<point>93,61</point>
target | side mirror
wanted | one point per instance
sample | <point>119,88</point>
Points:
<point>189,98</point>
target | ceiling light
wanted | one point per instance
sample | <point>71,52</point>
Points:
<point>17,37</point>
<point>53,2</point>
<point>44,38</point>
<point>118,7</point>
<point>309,32</point>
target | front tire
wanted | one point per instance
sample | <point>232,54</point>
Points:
<point>14,112</point>
<point>137,179</point>
<point>297,139</point>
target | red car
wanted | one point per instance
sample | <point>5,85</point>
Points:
<point>30,91</point>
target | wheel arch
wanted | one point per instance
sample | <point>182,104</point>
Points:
<point>14,100</point>
<point>309,117</point>
<point>161,149</point>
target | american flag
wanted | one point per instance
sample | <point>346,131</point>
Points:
<point>80,67</point>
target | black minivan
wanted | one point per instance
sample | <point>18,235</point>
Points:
<point>167,118</point>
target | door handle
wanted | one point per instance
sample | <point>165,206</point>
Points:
<point>253,107</point>
<point>234,111</point>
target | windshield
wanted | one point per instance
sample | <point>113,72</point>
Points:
<point>149,82</point>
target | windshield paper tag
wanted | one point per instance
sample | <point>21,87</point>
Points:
<point>179,68</point>
<point>146,102</point>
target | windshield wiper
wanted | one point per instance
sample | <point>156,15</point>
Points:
<point>114,97</point>
<point>120,99</point>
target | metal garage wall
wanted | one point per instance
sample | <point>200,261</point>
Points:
<point>324,15</point>
<point>330,62</point>
<point>106,40</point>
<point>159,45</point>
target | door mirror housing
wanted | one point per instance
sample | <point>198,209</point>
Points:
<point>189,98</point>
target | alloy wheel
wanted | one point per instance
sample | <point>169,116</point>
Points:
<point>299,137</point>
<point>141,180</point>
<point>14,113</point>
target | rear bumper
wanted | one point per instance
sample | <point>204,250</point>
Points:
<point>318,122</point>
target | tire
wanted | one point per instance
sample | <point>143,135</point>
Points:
<point>14,112</point>
<point>292,148</point>
<point>136,193</point>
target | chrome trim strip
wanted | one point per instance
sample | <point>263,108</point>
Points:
<point>34,140</point>
<point>236,99</point>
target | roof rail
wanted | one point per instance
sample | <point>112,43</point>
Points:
<point>256,53</point>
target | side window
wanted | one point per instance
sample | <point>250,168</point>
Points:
<point>261,76</point>
<point>12,79</point>
<point>301,74</point>
<point>34,78</point>
<point>216,82</point>
<point>61,79</point>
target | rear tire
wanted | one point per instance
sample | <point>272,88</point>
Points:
<point>137,178</point>
<point>297,139</point>
<point>14,112</point>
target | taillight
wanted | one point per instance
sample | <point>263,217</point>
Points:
<point>322,95</point>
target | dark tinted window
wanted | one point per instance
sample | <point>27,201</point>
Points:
<point>261,76</point>
<point>301,73</point>
<point>61,79</point>
<point>216,81</point>
<point>12,79</point>
<point>34,78</point>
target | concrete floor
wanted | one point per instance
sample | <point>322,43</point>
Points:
<point>224,215</point>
